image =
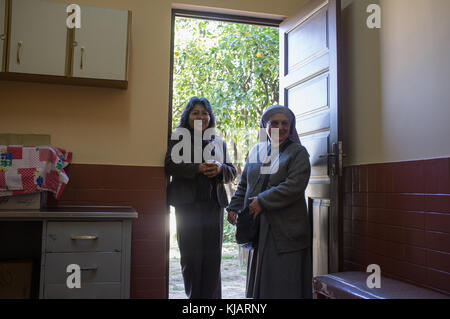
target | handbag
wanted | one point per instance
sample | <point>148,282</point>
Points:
<point>247,227</point>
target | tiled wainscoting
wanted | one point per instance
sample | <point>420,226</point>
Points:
<point>397,215</point>
<point>143,188</point>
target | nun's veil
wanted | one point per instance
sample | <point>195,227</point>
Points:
<point>275,109</point>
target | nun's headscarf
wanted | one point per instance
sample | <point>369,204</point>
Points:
<point>275,109</point>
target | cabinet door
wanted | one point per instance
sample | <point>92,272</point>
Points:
<point>101,49</point>
<point>2,34</point>
<point>38,37</point>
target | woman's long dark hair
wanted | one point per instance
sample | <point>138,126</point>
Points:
<point>184,121</point>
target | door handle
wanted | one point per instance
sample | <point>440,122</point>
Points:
<point>338,156</point>
<point>327,155</point>
<point>2,37</point>
<point>331,155</point>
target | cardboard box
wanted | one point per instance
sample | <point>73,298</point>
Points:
<point>27,201</point>
<point>24,139</point>
<point>15,279</point>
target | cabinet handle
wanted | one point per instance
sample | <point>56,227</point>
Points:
<point>84,237</point>
<point>19,45</point>
<point>89,267</point>
<point>2,37</point>
<point>82,54</point>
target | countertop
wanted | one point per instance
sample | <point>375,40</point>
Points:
<point>67,212</point>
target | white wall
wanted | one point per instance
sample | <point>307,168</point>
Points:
<point>110,126</point>
<point>396,91</point>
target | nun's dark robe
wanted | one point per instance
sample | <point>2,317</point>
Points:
<point>280,267</point>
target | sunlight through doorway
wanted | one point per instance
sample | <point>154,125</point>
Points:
<point>235,66</point>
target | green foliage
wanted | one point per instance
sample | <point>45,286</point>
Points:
<point>234,66</point>
<point>228,231</point>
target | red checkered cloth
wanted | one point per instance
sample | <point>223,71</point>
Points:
<point>32,169</point>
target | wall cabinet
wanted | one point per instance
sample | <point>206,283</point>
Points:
<point>2,35</point>
<point>41,48</point>
<point>100,49</point>
<point>37,47</point>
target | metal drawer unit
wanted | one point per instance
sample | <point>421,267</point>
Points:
<point>83,236</point>
<point>99,243</point>
<point>100,271</point>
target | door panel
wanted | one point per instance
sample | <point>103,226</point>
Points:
<point>317,144</point>
<point>316,122</point>
<point>309,85</point>
<point>307,40</point>
<point>38,37</point>
<point>101,50</point>
<point>310,97</point>
<point>2,34</point>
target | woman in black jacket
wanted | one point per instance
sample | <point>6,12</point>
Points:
<point>199,169</point>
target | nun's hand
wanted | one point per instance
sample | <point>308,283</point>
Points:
<point>232,217</point>
<point>254,207</point>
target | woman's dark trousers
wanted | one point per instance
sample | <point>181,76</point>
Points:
<point>199,235</point>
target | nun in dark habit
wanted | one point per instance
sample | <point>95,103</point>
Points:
<point>198,194</point>
<point>280,267</point>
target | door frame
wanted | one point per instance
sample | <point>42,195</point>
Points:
<point>337,251</point>
<point>204,15</point>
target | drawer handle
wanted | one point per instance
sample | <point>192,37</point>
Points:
<point>89,267</point>
<point>84,237</point>
<point>81,60</point>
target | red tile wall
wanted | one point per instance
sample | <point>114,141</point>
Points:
<point>397,215</point>
<point>143,188</point>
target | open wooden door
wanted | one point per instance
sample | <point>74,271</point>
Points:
<point>309,85</point>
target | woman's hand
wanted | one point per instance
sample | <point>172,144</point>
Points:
<point>212,169</point>
<point>254,207</point>
<point>202,168</point>
<point>232,217</point>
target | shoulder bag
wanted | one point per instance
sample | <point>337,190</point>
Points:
<point>247,227</point>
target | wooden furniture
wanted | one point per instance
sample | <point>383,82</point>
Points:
<point>352,285</point>
<point>97,239</point>
<point>41,48</point>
